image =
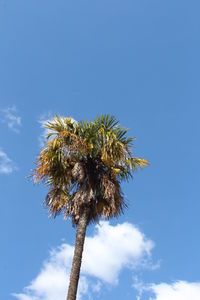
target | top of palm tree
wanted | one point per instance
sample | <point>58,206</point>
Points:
<point>83,163</point>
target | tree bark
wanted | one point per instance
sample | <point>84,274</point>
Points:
<point>77,259</point>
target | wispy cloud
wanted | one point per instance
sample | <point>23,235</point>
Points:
<point>6,164</point>
<point>106,253</point>
<point>42,121</point>
<point>10,117</point>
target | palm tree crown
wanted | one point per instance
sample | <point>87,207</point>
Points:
<point>83,163</point>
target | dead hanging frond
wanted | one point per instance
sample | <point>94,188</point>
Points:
<point>108,187</point>
<point>56,200</point>
<point>113,202</point>
<point>79,200</point>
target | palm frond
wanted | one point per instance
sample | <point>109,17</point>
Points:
<point>83,163</point>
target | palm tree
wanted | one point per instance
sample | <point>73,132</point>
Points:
<point>84,163</point>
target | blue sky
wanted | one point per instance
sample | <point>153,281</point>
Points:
<point>137,60</point>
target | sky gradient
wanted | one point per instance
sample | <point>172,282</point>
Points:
<point>139,61</point>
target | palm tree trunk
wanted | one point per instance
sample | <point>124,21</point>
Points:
<point>78,251</point>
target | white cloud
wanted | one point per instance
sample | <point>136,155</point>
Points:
<point>180,290</point>
<point>9,116</point>
<point>115,247</point>
<point>109,250</point>
<point>6,164</point>
<point>53,279</point>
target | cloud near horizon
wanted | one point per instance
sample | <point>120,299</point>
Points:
<point>106,253</point>
<point>179,290</point>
